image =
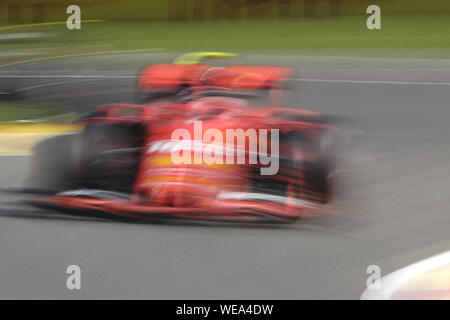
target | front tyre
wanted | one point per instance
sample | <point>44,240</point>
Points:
<point>54,163</point>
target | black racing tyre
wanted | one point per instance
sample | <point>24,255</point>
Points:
<point>317,171</point>
<point>111,156</point>
<point>319,180</point>
<point>54,163</point>
<point>338,152</point>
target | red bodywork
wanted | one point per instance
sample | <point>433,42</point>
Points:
<point>232,77</point>
<point>204,191</point>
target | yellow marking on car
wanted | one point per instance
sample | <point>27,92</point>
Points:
<point>166,161</point>
<point>197,57</point>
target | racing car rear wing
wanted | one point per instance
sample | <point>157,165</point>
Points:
<point>252,77</point>
<point>232,77</point>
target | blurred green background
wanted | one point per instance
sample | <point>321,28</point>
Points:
<point>28,11</point>
<point>409,27</point>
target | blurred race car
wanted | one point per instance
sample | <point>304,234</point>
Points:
<point>192,71</point>
<point>149,160</point>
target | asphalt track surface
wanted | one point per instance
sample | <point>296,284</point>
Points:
<point>402,200</point>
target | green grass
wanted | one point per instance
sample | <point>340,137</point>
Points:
<point>160,10</point>
<point>399,33</point>
<point>18,112</point>
<point>348,32</point>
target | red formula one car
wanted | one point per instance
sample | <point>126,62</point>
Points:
<point>199,148</point>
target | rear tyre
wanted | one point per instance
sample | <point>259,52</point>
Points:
<point>318,172</point>
<point>313,157</point>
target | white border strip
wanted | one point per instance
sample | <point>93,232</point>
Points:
<point>375,82</point>
<point>390,283</point>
